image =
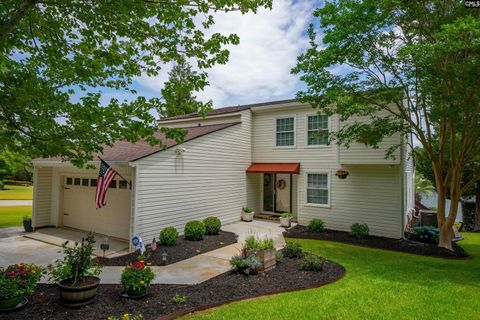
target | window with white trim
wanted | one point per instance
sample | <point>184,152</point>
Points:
<point>285,135</point>
<point>317,188</point>
<point>317,130</point>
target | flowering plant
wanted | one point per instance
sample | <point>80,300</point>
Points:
<point>136,278</point>
<point>341,173</point>
<point>19,280</point>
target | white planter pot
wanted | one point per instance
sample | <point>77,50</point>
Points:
<point>247,216</point>
<point>286,222</point>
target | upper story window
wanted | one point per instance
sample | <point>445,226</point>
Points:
<point>285,135</point>
<point>317,130</point>
<point>317,189</point>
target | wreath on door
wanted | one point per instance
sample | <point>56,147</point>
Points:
<point>281,184</point>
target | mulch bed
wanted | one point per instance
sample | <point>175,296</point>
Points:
<point>184,249</point>
<point>228,287</point>
<point>402,245</point>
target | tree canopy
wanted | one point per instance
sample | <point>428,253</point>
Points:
<point>417,62</point>
<point>178,92</point>
<point>56,58</point>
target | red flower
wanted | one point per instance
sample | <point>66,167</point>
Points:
<point>24,282</point>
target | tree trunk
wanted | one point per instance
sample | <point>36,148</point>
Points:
<point>445,239</point>
<point>477,207</point>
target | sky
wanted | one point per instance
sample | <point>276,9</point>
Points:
<point>259,67</point>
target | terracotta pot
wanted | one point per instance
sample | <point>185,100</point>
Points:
<point>247,216</point>
<point>79,295</point>
<point>6,304</point>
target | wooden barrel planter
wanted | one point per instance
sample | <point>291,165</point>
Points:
<point>80,295</point>
<point>267,258</point>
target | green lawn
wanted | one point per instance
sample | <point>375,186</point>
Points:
<point>16,193</point>
<point>378,285</point>
<point>13,216</point>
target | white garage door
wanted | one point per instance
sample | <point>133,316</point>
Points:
<point>79,209</point>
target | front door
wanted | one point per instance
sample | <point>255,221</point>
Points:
<point>276,192</point>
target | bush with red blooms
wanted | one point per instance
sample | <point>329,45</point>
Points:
<point>136,278</point>
<point>19,280</point>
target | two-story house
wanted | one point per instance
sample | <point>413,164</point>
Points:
<point>273,157</point>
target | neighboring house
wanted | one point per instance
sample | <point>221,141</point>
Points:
<point>267,156</point>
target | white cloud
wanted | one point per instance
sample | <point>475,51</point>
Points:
<point>259,67</point>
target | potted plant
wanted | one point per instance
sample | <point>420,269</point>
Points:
<point>136,279</point>
<point>27,224</point>
<point>17,281</point>
<point>263,250</point>
<point>77,273</point>
<point>247,214</point>
<point>342,174</point>
<point>286,219</point>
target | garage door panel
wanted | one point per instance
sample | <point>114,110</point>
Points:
<point>80,211</point>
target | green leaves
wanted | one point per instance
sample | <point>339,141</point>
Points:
<point>57,56</point>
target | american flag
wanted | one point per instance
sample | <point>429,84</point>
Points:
<point>105,176</point>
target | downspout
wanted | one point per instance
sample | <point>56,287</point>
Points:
<point>34,202</point>
<point>133,205</point>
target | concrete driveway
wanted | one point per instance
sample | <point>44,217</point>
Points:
<point>17,248</point>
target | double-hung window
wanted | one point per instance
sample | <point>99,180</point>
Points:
<point>317,130</point>
<point>317,189</point>
<point>285,132</point>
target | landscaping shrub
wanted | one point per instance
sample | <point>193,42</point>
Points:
<point>293,250</point>
<point>312,262</point>
<point>19,280</point>
<point>212,225</point>
<point>359,230</point>
<point>194,230</point>
<point>316,225</point>
<point>136,278</point>
<point>426,234</point>
<point>168,236</point>
<point>248,265</point>
<point>179,299</point>
<point>252,243</point>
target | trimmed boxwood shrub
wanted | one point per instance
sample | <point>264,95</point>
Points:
<point>168,236</point>
<point>212,225</point>
<point>293,250</point>
<point>316,225</point>
<point>312,262</point>
<point>194,230</point>
<point>359,230</point>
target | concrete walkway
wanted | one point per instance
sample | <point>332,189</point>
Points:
<point>207,265</point>
<point>15,203</point>
<point>43,247</point>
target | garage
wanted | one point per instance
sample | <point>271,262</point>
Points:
<point>78,206</point>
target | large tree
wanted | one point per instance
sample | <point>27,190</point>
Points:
<point>472,170</point>
<point>178,93</point>
<point>58,56</point>
<point>416,61</point>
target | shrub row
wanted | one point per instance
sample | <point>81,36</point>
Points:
<point>357,230</point>
<point>193,231</point>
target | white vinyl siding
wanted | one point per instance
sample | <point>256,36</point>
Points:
<point>317,189</point>
<point>371,194</point>
<point>285,132</point>
<point>359,153</point>
<point>317,130</point>
<point>42,197</point>
<point>208,179</point>
<point>254,190</point>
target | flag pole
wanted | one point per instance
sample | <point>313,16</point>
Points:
<point>118,174</point>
